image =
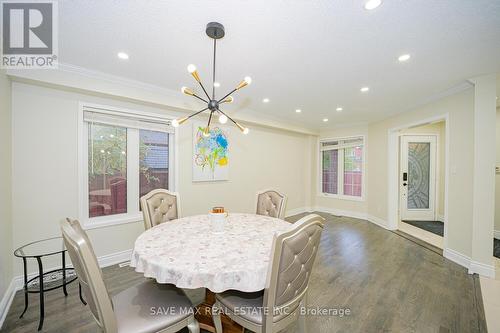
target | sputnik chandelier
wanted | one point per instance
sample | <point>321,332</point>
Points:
<point>215,31</point>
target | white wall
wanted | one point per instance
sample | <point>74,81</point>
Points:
<point>5,184</point>
<point>483,215</point>
<point>45,183</point>
<point>460,108</point>
<point>497,178</point>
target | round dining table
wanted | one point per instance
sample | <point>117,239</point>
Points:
<point>190,254</point>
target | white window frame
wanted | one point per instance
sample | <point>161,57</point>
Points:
<point>133,213</point>
<point>340,170</point>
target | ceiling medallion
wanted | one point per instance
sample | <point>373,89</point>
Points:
<point>215,31</point>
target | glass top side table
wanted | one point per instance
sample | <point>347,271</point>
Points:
<point>45,281</point>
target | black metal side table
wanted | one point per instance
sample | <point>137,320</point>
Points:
<point>45,281</point>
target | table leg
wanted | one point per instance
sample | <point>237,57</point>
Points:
<point>204,317</point>
<point>42,306</point>
<point>80,293</point>
<point>25,288</point>
<point>64,273</point>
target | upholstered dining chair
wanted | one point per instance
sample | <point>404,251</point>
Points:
<point>159,206</point>
<point>271,203</point>
<point>130,311</point>
<point>279,304</point>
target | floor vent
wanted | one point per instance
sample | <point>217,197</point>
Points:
<point>124,264</point>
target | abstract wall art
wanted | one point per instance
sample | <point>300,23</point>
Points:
<point>210,154</point>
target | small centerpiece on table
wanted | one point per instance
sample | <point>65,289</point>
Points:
<point>218,219</point>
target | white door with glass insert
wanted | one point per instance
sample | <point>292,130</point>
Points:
<point>417,180</point>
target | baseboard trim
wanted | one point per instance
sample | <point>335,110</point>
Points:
<point>457,257</point>
<point>378,221</point>
<point>297,211</point>
<point>482,269</point>
<point>6,301</point>
<point>467,262</point>
<point>353,214</point>
<point>341,212</point>
<point>17,283</point>
<point>496,234</point>
<point>115,258</point>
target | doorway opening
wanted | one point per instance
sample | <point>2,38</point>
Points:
<point>421,169</point>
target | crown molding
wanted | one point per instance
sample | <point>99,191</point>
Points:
<point>84,80</point>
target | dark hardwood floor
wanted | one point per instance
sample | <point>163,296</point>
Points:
<point>388,283</point>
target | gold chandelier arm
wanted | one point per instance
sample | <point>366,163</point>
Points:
<point>223,98</point>
<point>207,129</point>
<point>180,121</point>
<point>229,99</point>
<point>190,92</point>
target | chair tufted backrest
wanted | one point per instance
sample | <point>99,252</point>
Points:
<point>159,206</point>
<point>89,274</point>
<point>271,203</point>
<point>291,263</point>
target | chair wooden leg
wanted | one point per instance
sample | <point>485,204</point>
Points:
<point>194,326</point>
<point>216,317</point>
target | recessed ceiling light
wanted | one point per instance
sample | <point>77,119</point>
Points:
<point>122,55</point>
<point>372,4</point>
<point>325,119</point>
<point>404,57</point>
<point>364,89</point>
<point>265,100</point>
<point>298,110</point>
<point>216,84</point>
<point>339,109</point>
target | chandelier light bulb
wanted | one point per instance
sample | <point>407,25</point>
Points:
<point>180,121</point>
<point>229,99</point>
<point>222,119</point>
<point>206,132</point>
<point>372,4</point>
<point>187,91</point>
<point>246,81</point>
<point>191,68</point>
<point>246,130</point>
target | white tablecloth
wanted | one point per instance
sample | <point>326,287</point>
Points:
<point>186,253</point>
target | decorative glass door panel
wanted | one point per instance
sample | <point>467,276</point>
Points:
<point>418,177</point>
<point>418,174</point>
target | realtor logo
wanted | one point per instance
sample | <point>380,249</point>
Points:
<point>29,34</point>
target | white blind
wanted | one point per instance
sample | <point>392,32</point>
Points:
<point>341,143</point>
<point>127,119</point>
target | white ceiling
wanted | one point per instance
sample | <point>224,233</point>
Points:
<point>312,55</point>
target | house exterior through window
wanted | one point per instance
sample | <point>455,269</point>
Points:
<point>124,156</point>
<point>342,167</point>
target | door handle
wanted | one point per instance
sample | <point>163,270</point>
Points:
<point>405,184</point>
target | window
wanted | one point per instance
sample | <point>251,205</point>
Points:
<point>342,167</point>
<point>107,171</point>
<point>153,161</point>
<point>124,156</point>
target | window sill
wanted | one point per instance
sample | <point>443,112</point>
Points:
<point>111,220</point>
<point>341,197</point>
